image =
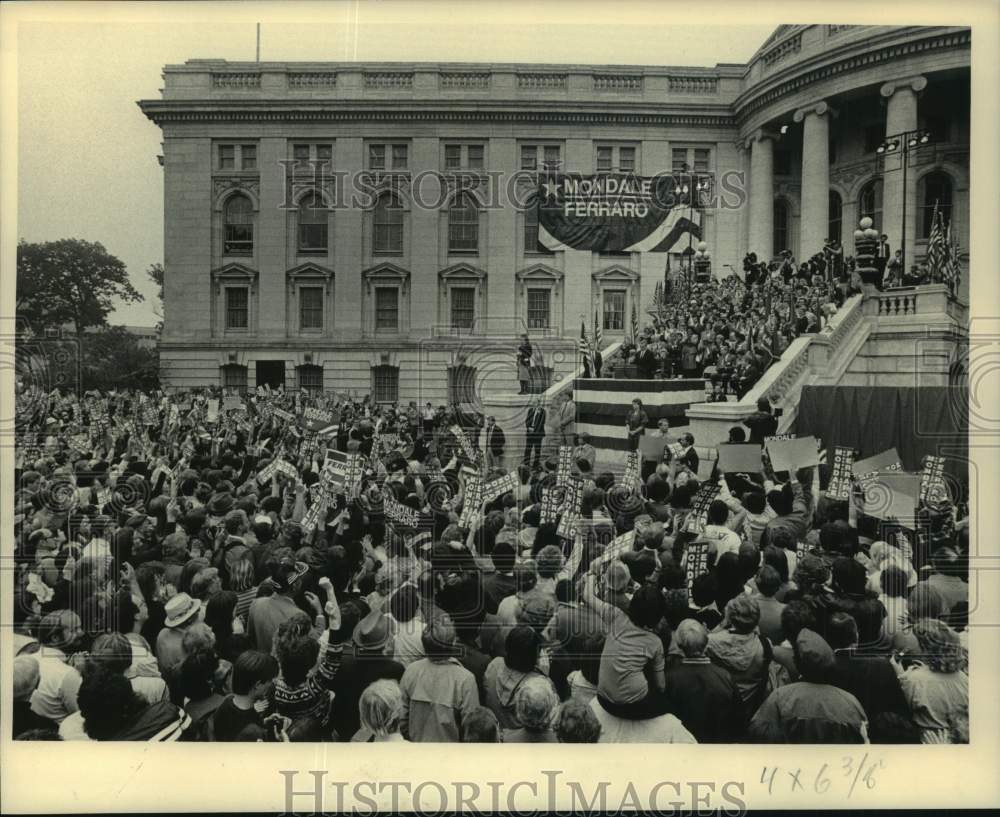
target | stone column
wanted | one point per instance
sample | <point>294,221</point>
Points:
<point>901,116</point>
<point>814,221</point>
<point>760,237</point>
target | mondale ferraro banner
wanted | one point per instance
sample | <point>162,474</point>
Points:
<point>609,213</point>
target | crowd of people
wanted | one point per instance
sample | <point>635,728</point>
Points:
<point>730,330</point>
<point>187,569</point>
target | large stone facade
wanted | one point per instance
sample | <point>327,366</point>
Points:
<point>418,302</point>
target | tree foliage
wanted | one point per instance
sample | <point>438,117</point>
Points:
<point>112,358</point>
<point>69,281</point>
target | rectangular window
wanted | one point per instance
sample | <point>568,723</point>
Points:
<point>702,159</point>
<point>324,154</point>
<point>301,155</point>
<point>248,157</point>
<point>376,157</point>
<point>538,308</point>
<point>227,157</point>
<point>311,378</point>
<point>678,160</point>
<point>387,308</point>
<point>463,307</point>
<point>310,307</point>
<point>399,157</point>
<point>385,384</point>
<point>529,157</point>
<point>452,157</point>
<point>476,157</point>
<point>234,377</point>
<point>237,308</point>
<point>605,159</point>
<point>463,228</point>
<point>626,159</point>
<point>551,153</point>
<point>614,310</point>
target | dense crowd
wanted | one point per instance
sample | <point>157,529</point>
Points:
<point>189,569</point>
<point>730,330</point>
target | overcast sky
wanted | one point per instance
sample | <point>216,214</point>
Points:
<point>87,156</point>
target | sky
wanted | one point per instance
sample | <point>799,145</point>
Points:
<point>87,163</point>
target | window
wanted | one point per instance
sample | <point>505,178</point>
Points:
<point>324,154</point>
<point>614,310</point>
<point>238,226</point>
<point>678,160</point>
<point>248,157</point>
<point>538,308</point>
<point>376,157</point>
<point>234,376</point>
<point>313,227</point>
<point>388,156</point>
<point>237,308</point>
<point>387,308</point>
<point>550,157</point>
<point>463,225</point>
<point>870,203</point>
<point>529,157</point>
<point>310,307</point>
<point>301,155</point>
<point>937,190</point>
<point>781,236</point>
<point>385,384</point>
<point>310,378</point>
<point>463,157</point>
<point>463,307</point>
<point>835,216</point>
<point>399,157</point>
<point>388,222</point>
<point>702,160</point>
<point>615,158</point>
<point>233,157</point>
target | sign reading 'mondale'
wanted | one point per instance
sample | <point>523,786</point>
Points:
<point>613,213</point>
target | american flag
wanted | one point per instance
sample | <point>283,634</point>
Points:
<point>584,346</point>
<point>951,272</point>
<point>635,322</point>
<point>597,333</point>
<point>935,247</point>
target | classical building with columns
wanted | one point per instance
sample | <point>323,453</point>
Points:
<point>419,290</point>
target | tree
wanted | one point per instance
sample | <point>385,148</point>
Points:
<point>155,273</point>
<point>112,358</point>
<point>69,281</point>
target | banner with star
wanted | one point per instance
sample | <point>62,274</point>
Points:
<point>614,213</point>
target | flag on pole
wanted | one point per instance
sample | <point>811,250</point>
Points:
<point>935,246</point>
<point>635,323</point>
<point>584,347</point>
<point>952,271</point>
<point>597,335</point>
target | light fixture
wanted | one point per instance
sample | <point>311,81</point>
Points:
<point>680,189</point>
<point>925,137</point>
<point>784,129</point>
<point>912,142</point>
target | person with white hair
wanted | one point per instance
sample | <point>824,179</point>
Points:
<point>535,705</point>
<point>380,708</point>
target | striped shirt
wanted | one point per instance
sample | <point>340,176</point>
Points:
<point>311,698</point>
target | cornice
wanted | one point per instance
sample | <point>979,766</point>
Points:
<point>229,110</point>
<point>799,76</point>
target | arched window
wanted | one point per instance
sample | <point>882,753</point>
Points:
<point>835,216</point>
<point>781,232</point>
<point>238,226</point>
<point>388,221</point>
<point>937,190</point>
<point>313,224</point>
<point>870,203</point>
<point>463,225</point>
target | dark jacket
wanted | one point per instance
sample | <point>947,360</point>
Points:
<point>704,697</point>
<point>535,422</point>
<point>356,673</point>
<point>496,439</point>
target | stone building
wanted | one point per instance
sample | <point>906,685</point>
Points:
<point>419,290</point>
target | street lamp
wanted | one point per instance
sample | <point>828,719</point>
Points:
<point>903,143</point>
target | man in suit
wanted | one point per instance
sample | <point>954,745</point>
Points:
<point>882,255</point>
<point>534,431</point>
<point>494,442</point>
<point>567,421</point>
